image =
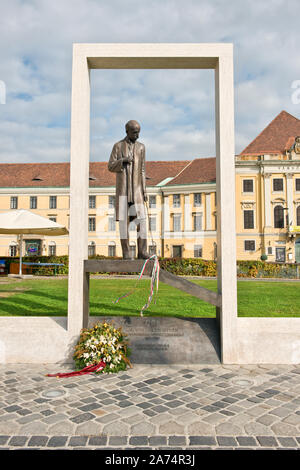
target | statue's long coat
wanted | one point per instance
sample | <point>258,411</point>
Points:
<point>115,164</point>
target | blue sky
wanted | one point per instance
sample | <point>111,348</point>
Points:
<point>175,108</point>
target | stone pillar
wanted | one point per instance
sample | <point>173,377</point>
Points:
<point>79,185</point>
<point>225,186</point>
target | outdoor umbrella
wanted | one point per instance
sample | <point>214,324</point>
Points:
<point>21,221</point>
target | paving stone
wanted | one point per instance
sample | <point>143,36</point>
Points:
<point>76,441</point>
<point>142,428</point>
<point>38,441</point>
<point>29,418</point>
<point>267,419</point>
<point>117,428</point>
<point>226,441</point>
<point>287,441</point>
<point>283,429</point>
<point>267,441</point>
<point>293,419</point>
<point>3,440</point>
<point>19,441</point>
<point>202,440</point>
<point>82,417</point>
<point>63,427</point>
<point>257,429</point>
<point>55,418</point>
<point>57,441</point>
<point>171,427</point>
<point>108,418</point>
<point>118,440</point>
<point>246,441</point>
<point>90,428</point>
<point>157,440</point>
<point>177,440</point>
<point>138,440</point>
<point>228,429</point>
<point>281,412</point>
<point>37,428</point>
<point>97,441</point>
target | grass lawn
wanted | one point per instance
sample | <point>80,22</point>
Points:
<point>48,297</point>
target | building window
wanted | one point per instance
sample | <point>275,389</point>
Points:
<point>52,202</point>
<point>249,245</point>
<point>278,217</point>
<point>152,249</point>
<point>52,249</point>
<point>33,202</point>
<point>297,184</point>
<point>298,215</point>
<point>52,218</point>
<point>248,219</point>
<point>152,223</point>
<point>176,222</point>
<point>111,224</point>
<point>270,250</point>
<point>177,251</point>
<point>197,251</point>
<point>14,202</point>
<point>278,184</point>
<point>92,202</point>
<point>92,249</point>
<point>112,250</point>
<point>92,224</point>
<point>176,200</point>
<point>152,202</point>
<point>197,199</point>
<point>247,186</point>
<point>280,255</point>
<point>197,222</point>
<point>13,250</point>
<point>111,202</point>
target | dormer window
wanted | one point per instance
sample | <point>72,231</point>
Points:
<point>37,178</point>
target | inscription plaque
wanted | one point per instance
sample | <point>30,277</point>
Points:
<point>160,340</point>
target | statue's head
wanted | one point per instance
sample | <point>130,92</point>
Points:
<point>132,130</point>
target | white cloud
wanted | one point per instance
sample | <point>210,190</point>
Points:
<point>176,108</point>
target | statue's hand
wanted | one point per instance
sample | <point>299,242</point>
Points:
<point>127,159</point>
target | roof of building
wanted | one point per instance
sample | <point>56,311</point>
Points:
<point>200,170</point>
<point>21,175</point>
<point>275,137</point>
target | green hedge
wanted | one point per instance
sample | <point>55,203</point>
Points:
<point>179,266</point>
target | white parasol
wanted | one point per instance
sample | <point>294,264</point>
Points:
<point>21,221</point>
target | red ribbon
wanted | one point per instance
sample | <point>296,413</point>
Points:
<point>85,370</point>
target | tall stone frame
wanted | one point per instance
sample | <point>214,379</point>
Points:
<point>155,56</point>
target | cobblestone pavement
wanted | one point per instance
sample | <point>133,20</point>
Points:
<point>153,407</point>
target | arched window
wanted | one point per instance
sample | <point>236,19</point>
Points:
<point>52,249</point>
<point>278,217</point>
<point>298,215</point>
<point>92,249</point>
<point>152,248</point>
<point>13,249</point>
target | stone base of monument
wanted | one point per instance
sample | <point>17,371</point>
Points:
<point>159,340</point>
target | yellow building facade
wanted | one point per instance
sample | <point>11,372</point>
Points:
<point>181,203</point>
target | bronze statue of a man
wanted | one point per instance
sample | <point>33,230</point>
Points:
<point>127,160</point>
